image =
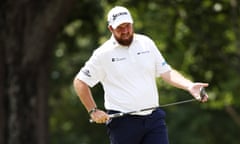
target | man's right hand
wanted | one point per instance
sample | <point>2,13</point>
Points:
<point>99,116</point>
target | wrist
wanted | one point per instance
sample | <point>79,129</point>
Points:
<point>93,110</point>
<point>190,86</point>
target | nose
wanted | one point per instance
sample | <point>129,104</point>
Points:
<point>124,30</point>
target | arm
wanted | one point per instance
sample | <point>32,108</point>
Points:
<point>175,79</point>
<point>85,95</point>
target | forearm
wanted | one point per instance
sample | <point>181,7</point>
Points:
<point>176,79</point>
<point>84,93</point>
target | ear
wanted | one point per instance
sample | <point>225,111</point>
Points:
<point>110,28</point>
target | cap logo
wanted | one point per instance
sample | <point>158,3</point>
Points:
<point>119,14</point>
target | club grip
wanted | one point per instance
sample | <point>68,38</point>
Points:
<point>203,92</point>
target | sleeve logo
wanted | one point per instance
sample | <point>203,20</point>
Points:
<point>86,72</point>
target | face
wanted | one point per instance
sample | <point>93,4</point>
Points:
<point>123,33</point>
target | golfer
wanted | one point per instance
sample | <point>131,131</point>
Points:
<point>127,65</point>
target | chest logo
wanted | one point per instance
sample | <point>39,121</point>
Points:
<point>118,59</point>
<point>143,52</point>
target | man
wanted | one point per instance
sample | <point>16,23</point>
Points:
<point>127,65</point>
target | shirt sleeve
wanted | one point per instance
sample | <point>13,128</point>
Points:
<point>161,64</point>
<point>92,72</point>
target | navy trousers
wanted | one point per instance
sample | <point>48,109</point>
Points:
<point>133,129</point>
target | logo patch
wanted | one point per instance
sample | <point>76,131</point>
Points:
<point>164,63</point>
<point>118,59</point>
<point>119,14</point>
<point>86,72</point>
<point>142,52</point>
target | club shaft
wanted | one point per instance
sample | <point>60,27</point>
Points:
<point>147,109</point>
<point>120,114</point>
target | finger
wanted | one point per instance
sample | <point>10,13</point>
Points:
<point>102,119</point>
<point>204,84</point>
<point>205,98</point>
<point>198,98</point>
<point>98,121</point>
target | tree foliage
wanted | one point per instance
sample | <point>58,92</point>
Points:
<point>201,39</point>
<point>198,38</point>
<point>27,35</point>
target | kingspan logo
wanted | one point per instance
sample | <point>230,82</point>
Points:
<point>118,59</point>
<point>142,52</point>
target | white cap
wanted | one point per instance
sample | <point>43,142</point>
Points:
<point>119,15</point>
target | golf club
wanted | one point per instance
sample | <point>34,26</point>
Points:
<point>120,114</point>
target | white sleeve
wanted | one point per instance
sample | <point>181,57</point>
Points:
<point>161,64</point>
<point>92,72</point>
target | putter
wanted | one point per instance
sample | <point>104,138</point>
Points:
<point>203,93</point>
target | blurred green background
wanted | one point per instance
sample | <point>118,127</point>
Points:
<point>199,38</point>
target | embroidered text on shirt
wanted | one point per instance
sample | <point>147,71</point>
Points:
<point>143,52</point>
<point>118,59</point>
<point>86,72</point>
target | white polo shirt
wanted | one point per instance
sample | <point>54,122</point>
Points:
<point>128,74</point>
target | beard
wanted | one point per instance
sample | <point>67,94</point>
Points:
<point>125,39</point>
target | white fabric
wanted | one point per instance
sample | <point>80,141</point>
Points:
<point>127,73</point>
<point>119,15</point>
